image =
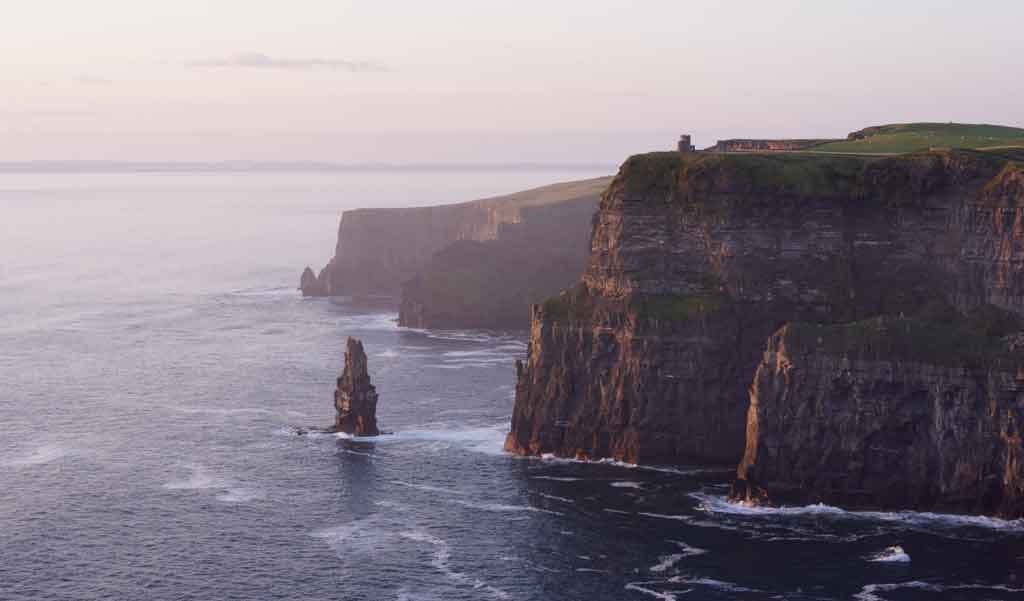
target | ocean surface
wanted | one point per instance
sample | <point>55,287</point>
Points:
<point>155,359</point>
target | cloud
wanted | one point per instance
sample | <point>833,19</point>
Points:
<point>256,60</point>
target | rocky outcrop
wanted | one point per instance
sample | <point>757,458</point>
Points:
<point>492,284</point>
<point>380,249</point>
<point>696,259</point>
<point>355,399</point>
<point>309,284</point>
<point>887,413</point>
<point>754,145</point>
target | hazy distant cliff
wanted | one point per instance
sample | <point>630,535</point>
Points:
<point>380,249</point>
<point>493,283</point>
<point>697,259</point>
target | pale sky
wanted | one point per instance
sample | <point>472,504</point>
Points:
<point>482,81</point>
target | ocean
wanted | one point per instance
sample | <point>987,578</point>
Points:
<point>156,358</point>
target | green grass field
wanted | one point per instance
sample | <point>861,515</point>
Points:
<point>912,137</point>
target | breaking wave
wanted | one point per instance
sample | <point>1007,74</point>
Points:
<point>720,504</point>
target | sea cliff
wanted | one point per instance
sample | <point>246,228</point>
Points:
<point>378,250</point>
<point>492,284</point>
<point>697,259</point>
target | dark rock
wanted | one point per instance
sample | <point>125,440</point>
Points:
<point>887,413</point>
<point>310,284</point>
<point>356,398</point>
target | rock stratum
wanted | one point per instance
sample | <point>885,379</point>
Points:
<point>355,399</point>
<point>379,250</point>
<point>700,262</point>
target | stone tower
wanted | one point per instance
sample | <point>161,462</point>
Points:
<point>684,143</point>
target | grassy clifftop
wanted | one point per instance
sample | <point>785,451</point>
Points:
<point>913,137</point>
<point>693,179</point>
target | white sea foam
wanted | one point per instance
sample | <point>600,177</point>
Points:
<point>641,587</point>
<point>557,478</point>
<point>222,411</point>
<point>200,479</point>
<point>555,498</point>
<point>871,592</point>
<point>40,456</point>
<point>665,516</point>
<point>894,554</point>
<point>503,508</point>
<point>635,466</point>
<point>627,484</point>
<point>489,440</point>
<point>240,495</point>
<point>369,321</point>
<point>715,584</point>
<point>388,353</point>
<point>441,561</point>
<point>428,488</point>
<point>721,504</point>
<point>667,561</point>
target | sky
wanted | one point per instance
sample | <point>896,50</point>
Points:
<point>486,82</point>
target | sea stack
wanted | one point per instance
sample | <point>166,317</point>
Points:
<point>355,398</point>
<point>310,284</point>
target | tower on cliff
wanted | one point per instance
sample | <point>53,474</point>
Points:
<point>685,145</point>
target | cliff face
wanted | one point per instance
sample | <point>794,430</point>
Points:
<point>380,249</point>
<point>696,259</point>
<point>888,412</point>
<point>492,284</point>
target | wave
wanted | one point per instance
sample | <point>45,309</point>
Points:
<point>489,440</point>
<point>240,495</point>
<point>441,561</point>
<point>503,508</point>
<point>224,411</point>
<point>427,488</point>
<point>715,584</point>
<point>42,455</point>
<point>369,321</point>
<point>665,516</point>
<point>891,554</point>
<point>388,353</point>
<point>626,484</point>
<point>870,592</point>
<point>475,364</point>
<point>682,471</point>
<point>668,561</point>
<point>721,504</point>
<point>555,498</point>
<point>279,291</point>
<point>200,479</point>
<point>557,478</point>
<point>641,587</point>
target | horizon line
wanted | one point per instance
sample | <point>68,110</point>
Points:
<point>242,166</point>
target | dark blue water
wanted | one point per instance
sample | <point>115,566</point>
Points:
<point>154,359</point>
